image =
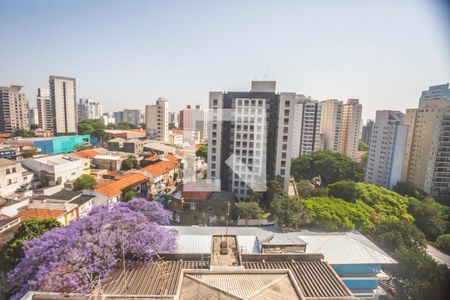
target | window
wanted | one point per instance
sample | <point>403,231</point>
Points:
<point>8,171</point>
<point>14,170</point>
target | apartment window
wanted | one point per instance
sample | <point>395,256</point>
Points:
<point>215,102</point>
<point>14,170</point>
<point>8,171</point>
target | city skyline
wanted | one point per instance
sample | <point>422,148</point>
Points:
<point>325,56</point>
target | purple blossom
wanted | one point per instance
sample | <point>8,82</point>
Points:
<point>75,257</point>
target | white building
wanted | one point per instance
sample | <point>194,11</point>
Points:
<point>387,149</point>
<point>33,118</point>
<point>330,123</point>
<point>108,118</point>
<point>157,120</point>
<point>89,109</point>
<point>12,177</point>
<point>58,169</point>
<point>350,128</point>
<point>306,128</point>
<point>64,104</point>
<point>45,109</point>
<point>13,109</point>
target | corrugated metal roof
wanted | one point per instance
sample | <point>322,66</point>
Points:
<point>202,243</point>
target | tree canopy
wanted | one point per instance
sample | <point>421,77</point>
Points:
<point>443,243</point>
<point>84,182</point>
<point>249,210</point>
<point>71,258</point>
<point>429,216</point>
<point>202,151</point>
<point>330,166</point>
<point>130,163</point>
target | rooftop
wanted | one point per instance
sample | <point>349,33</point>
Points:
<point>55,160</point>
<point>112,188</point>
<point>42,213</point>
<point>7,162</point>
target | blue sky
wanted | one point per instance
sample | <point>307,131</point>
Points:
<point>127,53</point>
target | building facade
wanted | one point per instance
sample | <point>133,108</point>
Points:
<point>157,120</point>
<point>64,105</point>
<point>367,131</point>
<point>45,109</point>
<point>33,116</point>
<point>428,146</point>
<point>13,109</point>
<point>330,123</point>
<point>441,91</point>
<point>350,126</point>
<point>132,116</point>
<point>194,119</point>
<point>387,149</point>
<point>89,109</point>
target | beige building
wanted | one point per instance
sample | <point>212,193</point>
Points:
<point>330,123</point>
<point>45,110</point>
<point>13,109</point>
<point>350,126</point>
<point>12,176</point>
<point>427,160</point>
<point>64,104</point>
<point>157,120</point>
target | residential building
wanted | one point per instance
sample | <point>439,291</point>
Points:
<point>195,206</point>
<point>350,127</point>
<point>12,177</point>
<point>367,131</point>
<point>306,128</point>
<point>155,147</point>
<point>157,120</point>
<point>89,109</point>
<point>76,203</point>
<point>387,149</point>
<point>162,170</point>
<point>108,118</point>
<point>427,153</point>
<point>8,152</point>
<point>330,123</point>
<point>118,116</point>
<point>45,109</point>
<point>441,91</point>
<point>249,137</point>
<point>33,118</point>
<point>44,214</point>
<point>173,122</point>
<point>127,134</point>
<point>175,138</point>
<point>110,191</point>
<point>194,120</point>
<point>13,109</point>
<point>64,104</point>
<point>191,137</point>
<point>56,169</point>
<point>132,146</point>
<point>132,116</point>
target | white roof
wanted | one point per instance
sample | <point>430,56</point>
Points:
<point>56,160</point>
<point>202,244</point>
<point>346,248</point>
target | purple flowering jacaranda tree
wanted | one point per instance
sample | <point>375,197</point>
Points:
<point>75,257</point>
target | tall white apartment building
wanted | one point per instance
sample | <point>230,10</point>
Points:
<point>350,127</point>
<point>64,104</point>
<point>13,109</point>
<point>249,137</point>
<point>157,120</point>
<point>330,123</point>
<point>387,149</point>
<point>89,109</point>
<point>194,119</point>
<point>427,162</point>
<point>306,127</point>
<point>45,109</point>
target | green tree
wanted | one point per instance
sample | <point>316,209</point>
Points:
<point>305,189</point>
<point>11,253</point>
<point>202,151</point>
<point>331,167</point>
<point>128,194</point>
<point>344,189</point>
<point>23,133</point>
<point>418,276</point>
<point>84,182</point>
<point>130,163</point>
<point>429,216</point>
<point>125,126</point>
<point>249,210</point>
<point>443,243</point>
<point>85,128</point>
<point>287,211</point>
<point>409,189</point>
<point>363,146</point>
<point>274,189</point>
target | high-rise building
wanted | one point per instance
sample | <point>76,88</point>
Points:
<point>427,161</point>
<point>249,137</point>
<point>64,104</point>
<point>13,109</point>
<point>108,118</point>
<point>45,109</point>
<point>350,126</point>
<point>367,132</point>
<point>157,120</point>
<point>387,149</point>
<point>441,91</point>
<point>194,119</point>
<point>132,116</point>
<point>89,109</point>
<point>306,128</point>
<point>33,118</point>
<point>330,123</point>
<point>118,116</point>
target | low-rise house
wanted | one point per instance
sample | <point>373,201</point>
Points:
<point>201,207</point>
<point>43,213</point>
<point>7,222</point>
<point>83,201</point>
<point>159,148</point>
<point>127,134</point>
<point>133,146</point>
<point>12,177</point>
<point>161,170</point>
<point>111,190</point>
<point>110,162</point>
<point>57,169</point>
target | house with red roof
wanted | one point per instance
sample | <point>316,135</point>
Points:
<point>112,190</point>
<point>163,170</point>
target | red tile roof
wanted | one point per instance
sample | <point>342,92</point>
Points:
<point>41,213</point>
<point>88,153</point>
<point>161,167</point>
<point>112,188</point>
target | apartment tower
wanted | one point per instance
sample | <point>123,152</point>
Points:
<point>194,119</point>
<point>387,149</point>
<point>350,126</point>
<point>157,120</point>
<point>89,109</point>
<point>367,131</point>
<point>45,109</point>
<point>64,104</point>
<point>13,109</point>
<point>330,123</point>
